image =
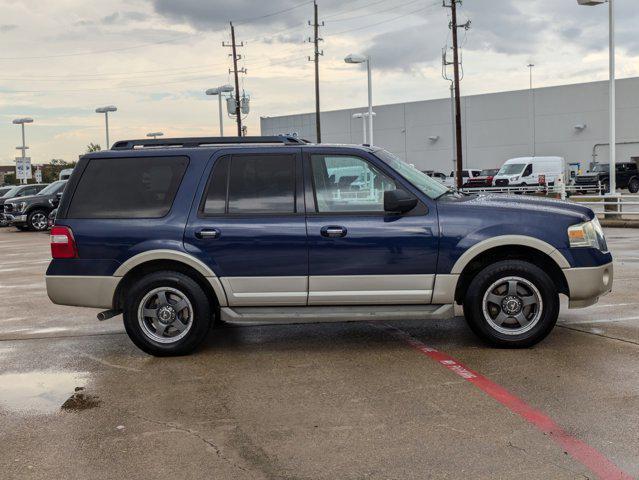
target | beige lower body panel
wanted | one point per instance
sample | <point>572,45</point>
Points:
<point>81,291</point>
<point>370,290</point>
<point>586,285</point>
<point>264,291</point>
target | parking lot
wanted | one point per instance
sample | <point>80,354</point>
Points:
<point>332,401</point>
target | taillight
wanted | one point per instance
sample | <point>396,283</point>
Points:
<point>62,243</point>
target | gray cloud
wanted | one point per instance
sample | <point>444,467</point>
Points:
<point>116,18</point>
<point>7,28</point>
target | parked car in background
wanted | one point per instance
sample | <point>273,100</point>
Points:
<point>439,176</point>
<point>598,179</point>
<point>66,173</point>
<point>18,191</point>
<point>483,180</point>
<point>32,212</point>
<point>272,230</point>
<point>529,171</point>
<point>467,174</point>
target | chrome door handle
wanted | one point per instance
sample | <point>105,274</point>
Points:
<point>212,233</point>
<point>333,231</point>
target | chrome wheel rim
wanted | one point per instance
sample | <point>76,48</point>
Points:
<point>512,305</point>
<point>39,221</point>
<point>165,315</point>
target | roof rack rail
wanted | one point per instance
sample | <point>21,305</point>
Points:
<point>203,141</point>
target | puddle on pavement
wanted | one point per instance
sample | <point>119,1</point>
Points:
<point>46,391</point>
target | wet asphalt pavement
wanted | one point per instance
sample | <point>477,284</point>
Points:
<point>330,401</point>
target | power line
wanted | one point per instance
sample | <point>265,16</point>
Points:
<point>367,5</point>
<point>383,21</point>
<point>364,15</point>
<point>268,15</point>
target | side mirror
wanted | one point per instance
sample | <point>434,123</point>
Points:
<point>399,201</point>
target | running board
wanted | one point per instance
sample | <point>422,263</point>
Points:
<point>292,315</point>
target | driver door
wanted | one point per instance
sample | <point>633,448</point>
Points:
<point>358,254</point>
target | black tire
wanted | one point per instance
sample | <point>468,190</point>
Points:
<point>543,321</point>
<point>35,220</point>
<point>605,187</point>
<point>633,185</point>
<point>201,317</point>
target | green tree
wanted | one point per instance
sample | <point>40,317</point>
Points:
<point>93,147</point>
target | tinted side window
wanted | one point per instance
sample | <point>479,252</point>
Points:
<point>142,187</point>
<point>261,184</point>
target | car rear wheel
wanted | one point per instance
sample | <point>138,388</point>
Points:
<point>633,186</point>
<point>167,314</point>
<point>512,304</point>
<point>38,220</point>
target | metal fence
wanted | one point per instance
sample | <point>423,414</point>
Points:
<point>615,207</point>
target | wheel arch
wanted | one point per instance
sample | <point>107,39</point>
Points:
<point>158,260</point>
<point>523,248</point>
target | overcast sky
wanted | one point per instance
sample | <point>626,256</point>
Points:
<point>154,59</point>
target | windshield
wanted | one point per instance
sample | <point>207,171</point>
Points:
<point>601,168</point>
<point>429,186</point>
<point>512,169</point>
<point>4,190</point>
<point>11,193</point>
<point>55,187</point>
<point>488,173</point>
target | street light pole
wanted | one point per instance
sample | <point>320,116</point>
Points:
<point>613,99</point>
<point>219,91</point>
<point>533,125</point>
<point>106,111</point>
<point>353,58</point>
<point>24,148</point>
<point>370,100</point>
<point>613,90</point>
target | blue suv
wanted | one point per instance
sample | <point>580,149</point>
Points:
<point>176,234</point>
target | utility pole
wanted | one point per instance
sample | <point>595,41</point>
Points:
<point>315,40</point>
<point>236,72</point>
<point>456,81</point>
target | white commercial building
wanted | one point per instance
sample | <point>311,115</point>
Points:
<point>570,121</point>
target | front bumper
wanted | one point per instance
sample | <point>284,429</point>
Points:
<point>586,285</point>
<point>11,218</point>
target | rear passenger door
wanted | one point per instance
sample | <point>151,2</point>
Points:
<point>248,225</point>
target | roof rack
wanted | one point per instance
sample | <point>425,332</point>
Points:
<point>204,141</point>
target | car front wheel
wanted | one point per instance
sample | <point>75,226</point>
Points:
<point>633,186</point>
<point>38,220</point>
<point>167,314</point>
<point>512,304</point>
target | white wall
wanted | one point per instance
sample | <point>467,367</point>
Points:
<point>496,126</point>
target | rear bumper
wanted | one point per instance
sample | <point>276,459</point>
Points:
<point>81,291</point>
<point>586,285</point>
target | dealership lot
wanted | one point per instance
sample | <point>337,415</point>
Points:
<point>347,401</point>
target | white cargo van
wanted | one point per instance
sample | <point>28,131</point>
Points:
<point>526,171</point>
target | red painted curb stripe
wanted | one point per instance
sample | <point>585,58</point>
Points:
<point>594,460</point>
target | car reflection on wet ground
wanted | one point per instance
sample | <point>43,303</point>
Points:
<point>78,400</point>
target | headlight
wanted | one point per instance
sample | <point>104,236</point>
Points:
<point>588,234</point>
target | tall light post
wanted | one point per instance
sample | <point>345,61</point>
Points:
<point>23,148</point>
<point>106,111</point>
<point>219,91</point>
<point>155,135</point>
<point>533,125</point>
<point>613,93</point>
<point>355,58</point>
<point>363,117</point>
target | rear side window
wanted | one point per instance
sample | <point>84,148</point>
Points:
<point>251,184</point>
<point>128,187</point>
